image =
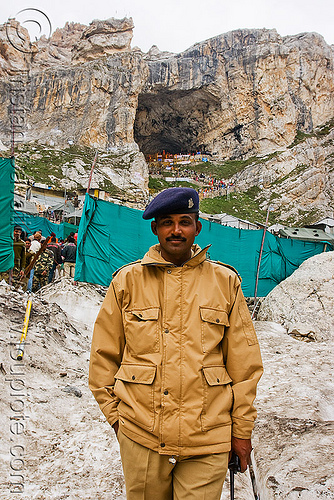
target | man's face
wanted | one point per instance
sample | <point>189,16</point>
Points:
<point>28,245</point>
<point>176,234</point>
<point>17,234</point>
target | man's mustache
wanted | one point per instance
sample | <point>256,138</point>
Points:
<point>173,238</point>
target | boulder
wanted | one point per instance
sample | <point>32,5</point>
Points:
<point>303,303</point>
<point>293,435</point>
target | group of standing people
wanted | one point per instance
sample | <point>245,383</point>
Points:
<point>56,259</point>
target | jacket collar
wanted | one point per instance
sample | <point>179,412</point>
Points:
<point>154,258</point>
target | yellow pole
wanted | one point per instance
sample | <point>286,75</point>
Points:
<point>20,350</point>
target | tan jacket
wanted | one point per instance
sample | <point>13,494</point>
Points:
<point>175,356</point>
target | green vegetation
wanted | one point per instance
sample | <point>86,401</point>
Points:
<point>155,185</point>
<point>318,132</point>
<point>325,129</point>
<point>228,168</point>
<point>243,205</point>
<point>110,188</point>
<point>296,171</point>
<point>45,164</point>
<point>306,218</point>
<point>299,137</point>
<point>48,165</point>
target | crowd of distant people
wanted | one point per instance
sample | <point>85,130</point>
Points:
<point>211,185</point>
<point>37,264</point>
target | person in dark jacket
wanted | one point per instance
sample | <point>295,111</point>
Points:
<point>56,250</point>
<point>69,254</point>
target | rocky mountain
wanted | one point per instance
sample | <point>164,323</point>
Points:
<point>245,95</point>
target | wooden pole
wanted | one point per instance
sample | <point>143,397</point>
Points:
<point>259,261</point>
<point>91,172</point>
<point>13,131</point>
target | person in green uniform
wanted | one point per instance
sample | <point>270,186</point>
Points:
<point>42,269</point>
<point>19,249</point>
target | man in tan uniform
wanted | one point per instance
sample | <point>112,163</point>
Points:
<point>175,361</point>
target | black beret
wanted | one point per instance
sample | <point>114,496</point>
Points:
<point>19,228</point>
<point>173,201</point>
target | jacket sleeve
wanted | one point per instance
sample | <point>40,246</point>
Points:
<point>23,257</point>
<point>243,363</point>
<point>106,354</point>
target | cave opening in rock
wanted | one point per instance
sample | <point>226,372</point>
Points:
<point>175,121</point>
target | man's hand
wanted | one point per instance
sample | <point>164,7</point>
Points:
<point>242,448</point>
<point>116,427</point>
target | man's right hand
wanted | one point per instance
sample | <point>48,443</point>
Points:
<point>242,448</point>
<point>116,427</point>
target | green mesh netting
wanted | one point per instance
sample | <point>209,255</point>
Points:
<point>110,236</point>
<point>7,173</point>
<point>32,223</point>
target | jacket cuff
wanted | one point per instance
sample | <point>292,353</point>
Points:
<point>242,428</point>
<point>110,412</point>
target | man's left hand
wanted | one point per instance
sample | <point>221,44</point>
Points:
<point>242,448</point>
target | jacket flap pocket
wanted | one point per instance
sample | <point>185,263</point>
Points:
<point>216,375</point>
<point>150,313</point>
<point>137,374</point>
<point>217,316</point>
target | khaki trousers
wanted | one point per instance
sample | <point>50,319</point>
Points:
<point>150,476</point>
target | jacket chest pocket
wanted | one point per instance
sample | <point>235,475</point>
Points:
<point>141,328</point>
<point>134,387</point>
<point>217,397</point>
<point>213,323</point>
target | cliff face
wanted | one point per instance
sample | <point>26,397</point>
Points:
<point>81,86</point>
<point>245,92</point>
<point>242,94</point>
<point>298,181</point>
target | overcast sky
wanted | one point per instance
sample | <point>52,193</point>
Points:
<point>175,25</point>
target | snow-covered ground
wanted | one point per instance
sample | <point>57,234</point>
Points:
<point>57,445</point>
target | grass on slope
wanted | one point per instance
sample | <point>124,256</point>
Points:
<point>155,185</point>
<point>242,205</point>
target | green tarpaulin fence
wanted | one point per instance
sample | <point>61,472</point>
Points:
<point>7,174</point>
<point>111,235</point>
<point>9,217</point>
<point>31,223</point>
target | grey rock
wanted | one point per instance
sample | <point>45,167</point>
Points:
<point>303,303</point>
<point>72,390</point>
